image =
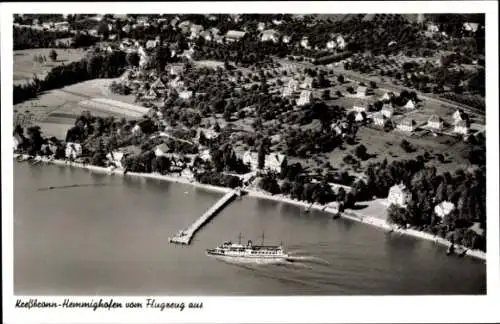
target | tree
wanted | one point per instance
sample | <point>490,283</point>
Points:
<point>261,157</point>
<point>340,79</point>
<point>326,95</point>
<point>361,152</point>
<point>133,59</point>
<point>53,55</point>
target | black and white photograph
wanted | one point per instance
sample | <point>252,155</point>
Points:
<point>250,153</point>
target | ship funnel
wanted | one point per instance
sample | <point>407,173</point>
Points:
<point>249,243</point>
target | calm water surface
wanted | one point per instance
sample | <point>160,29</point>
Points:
<point>111,238</point>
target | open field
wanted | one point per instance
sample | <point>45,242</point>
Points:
<point>56,110</point>
<point>25,66</point>
<point>382,145</point>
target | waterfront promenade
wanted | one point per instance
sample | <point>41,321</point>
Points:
<point>185,236</point>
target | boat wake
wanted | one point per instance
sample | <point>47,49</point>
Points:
<point>306,259</point>
<point>74,186</point>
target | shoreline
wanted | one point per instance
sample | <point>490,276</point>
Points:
<point>376,222</point>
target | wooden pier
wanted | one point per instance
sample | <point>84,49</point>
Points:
<point>185,236</point>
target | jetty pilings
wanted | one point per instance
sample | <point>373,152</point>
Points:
<point>185,236</point>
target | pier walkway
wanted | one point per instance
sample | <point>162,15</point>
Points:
<point>185,236</point>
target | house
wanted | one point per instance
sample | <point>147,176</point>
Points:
<point>443,209</point>
<point>432,28</point>
<point>234,35</point>
<point>185,26</point>
<point>361,91</point>
<point>261,26</point>
<point>176,83</point>
<point>206,35</point>
<point>195,31</point>
<point>459,115</point>
<point>360,116</point>
<point>185,94</point>
<point>151,95</point>
<point>290,88</point>
<point>159,86</point>
<point>410,105</point>
<point>205,155</point>
<point>399,195</point>
<point>407,125</point>
<point>341,43</point>
<point>336,128</point>
<point>18,141</point>
<point>73,150</point>
<point>305,98</point>
<point>187,174</point>
<point>307,84</point>
<point>150,44</point>
<point>386,97</point>
<point>161,150</point>
<point>137,130</point>
<point>286,39</point>
<point>471,27</point>
<point>305,42</point>
<point>379,119</point>
<point>331,44</point>
<point>272,162</point>
<point>270,35</point>
<point>435,122</point>
<point>176,69</point>
<point>116,158</point>
<point>462,127</point>
<point>359,106</point>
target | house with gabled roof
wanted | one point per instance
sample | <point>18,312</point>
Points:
<point>407,125</point>
<point>386,97</point>
<point>462,127</point>
<point>159,86</point>
<point>270,35</point>
<point>399,195</point>
<point>379,119</point>
<point>151,95</point>
<point>234,35</point>
<point>460,115</point>
<point>305,98</point>
<point>387,110</point>
<point>435,122</point>
<point>360,106</point>
<point>410,104</point>
<point>360,116</point>
<point>361,91</point>
<point>443,209</point>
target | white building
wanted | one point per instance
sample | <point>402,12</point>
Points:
<point>435,122</point>
<point>205,155</point>
<point>116,158</point>
<point>185,94</point>
<point>159,86</point>
<point>360,116</point>
<point>151,95</point>
<point>73,150</point>
<point>195,31</point>
<point>272,162</point>
<point>387,110</point>
<point>161,150</point>
<point>433,28</point>
<point>462,127</point>
<point>341,43</point>
<point>234,35</point>
<point>386,97</point>
<point>261,26</point>
<point>305,43</point>
<point>471,27</point>
<point>270,35</point>
<point>361,91</point>
<point>305,98</point>
<point>379,119</point>
<point>407,125</point>
<point>444,209</point>
<point>331,44</point>
<point>187,174</point>
<point>410,105</point>
<point>290,88</point>
<point>286,39</point>
<point>399,195</point>
<point>136,130</point>
<point>359,107</point>
<point>459,115</point>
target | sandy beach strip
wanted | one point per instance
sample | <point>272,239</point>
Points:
<point>374,221</point>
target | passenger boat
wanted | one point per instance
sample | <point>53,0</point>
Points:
<point>249,251</point>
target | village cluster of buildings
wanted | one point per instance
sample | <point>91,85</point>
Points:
<point>461,121</point>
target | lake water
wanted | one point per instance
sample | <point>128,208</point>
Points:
<point>111,238</point>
